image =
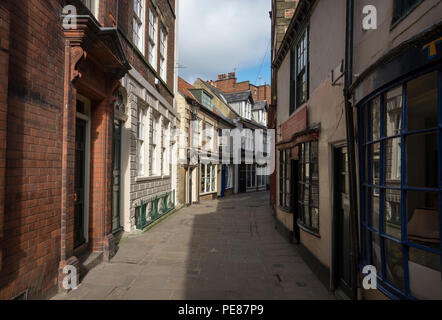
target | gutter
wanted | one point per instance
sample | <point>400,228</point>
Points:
<point>354,236</point>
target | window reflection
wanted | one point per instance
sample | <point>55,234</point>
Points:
<point>424,269</point>
<point>375,208</point>
<point>422,160</point>
<point>393,112</point>
<point>375,115</point>
<point>422,102</point>
<point>392,213</point>
<point>423,218</point>
<point>392,164</point>
<point>394,263</point>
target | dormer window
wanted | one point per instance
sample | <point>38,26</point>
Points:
<point>206,100</point>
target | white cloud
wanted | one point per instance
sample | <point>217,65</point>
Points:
<point>216,36</point>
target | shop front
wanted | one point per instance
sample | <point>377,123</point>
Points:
<point>399,105</point>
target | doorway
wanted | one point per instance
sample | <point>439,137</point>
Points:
<point>342,263</point>
<point>116,181</point>
<point>81,174</point>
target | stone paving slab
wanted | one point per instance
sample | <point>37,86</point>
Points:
<point>218,249</point>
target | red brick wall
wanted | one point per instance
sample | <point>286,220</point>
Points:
<point>4,65</point>
<point>33,176</point>
<point>296,123</point>
<point>101,173</point>
<point>230,85</point>
<point>125,16</point>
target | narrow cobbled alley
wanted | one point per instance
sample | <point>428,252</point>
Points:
<point>222,249</point>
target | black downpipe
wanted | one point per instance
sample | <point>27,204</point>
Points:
<point>351,148</point>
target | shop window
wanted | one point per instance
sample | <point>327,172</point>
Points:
<point>308,186</point>
<point>400,209</point>
<point>285,180</point>
<point>208,178</point>
<point>422,102</point>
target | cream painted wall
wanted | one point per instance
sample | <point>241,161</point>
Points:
<point>371,45</point>
<point>325,107</point>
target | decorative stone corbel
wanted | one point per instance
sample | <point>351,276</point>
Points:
<point>77,54</point>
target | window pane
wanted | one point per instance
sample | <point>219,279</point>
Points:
<point>393,112</point>
<point>394,263</point>
<point>375,116</point>
<point>375,208</point>
<point>315,195</point>
<point>392,213</point>
<point>423,218</point>
<point>422,102</point>
<point>306,216</point>
<point>392,164</point>
<point>203,176</point>
<point>424,269</point>
<point>375,165</point>
<point>315,218</point>
<point>422,168</point>
<point>377,253</point>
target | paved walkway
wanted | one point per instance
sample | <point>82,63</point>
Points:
<point>221,249</point>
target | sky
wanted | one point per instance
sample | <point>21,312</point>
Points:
<point>222,36</point>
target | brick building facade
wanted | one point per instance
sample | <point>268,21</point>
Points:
<point>58,97</point>
<point>227,83</point>
<point>150,117</point>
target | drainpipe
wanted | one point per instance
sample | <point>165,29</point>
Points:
<point>351,147</point>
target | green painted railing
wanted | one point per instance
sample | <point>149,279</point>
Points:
<point>151,210</point>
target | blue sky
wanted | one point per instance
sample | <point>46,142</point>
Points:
<point>220,36</point>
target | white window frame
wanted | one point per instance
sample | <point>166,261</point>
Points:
<point>249,175</point>
<point>229,176</point>
<point>141,142</point>
<point>153,38</point>
<point>155,147</point>
<point>93,6</point>
<point>138,24</point>
<point>209,137</point>
<point>210,178</point>
<point>163,53</point>
<point>166,148</point>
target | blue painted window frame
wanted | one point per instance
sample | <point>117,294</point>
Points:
<point>366,230</point>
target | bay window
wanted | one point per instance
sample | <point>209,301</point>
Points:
<point>401,187</point>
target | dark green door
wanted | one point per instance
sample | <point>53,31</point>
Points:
<point>79,192</point>
<point>342,222</point>
<point>116,185</point>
